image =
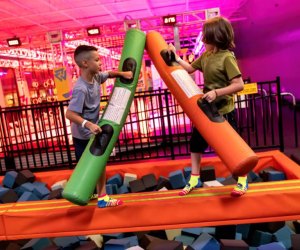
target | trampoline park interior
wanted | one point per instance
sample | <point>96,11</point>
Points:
<point>37,72</point>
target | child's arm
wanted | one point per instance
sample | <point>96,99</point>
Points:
<point>236,85</point>
<point>76,118</point>
<point>188,67</point>
<point>125,74</point>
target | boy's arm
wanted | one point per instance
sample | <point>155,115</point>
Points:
<point>76,118</point>
<point>188,67</point>
<point>125,74</point>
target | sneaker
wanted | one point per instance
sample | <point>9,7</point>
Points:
<point>187,189</point>
<point>239,189</point>
<point>110,203</point>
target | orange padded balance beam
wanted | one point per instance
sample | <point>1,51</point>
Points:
<point>264,202</point>
<point>227,143</point>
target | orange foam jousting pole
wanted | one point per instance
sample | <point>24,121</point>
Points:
<point>227,143</point>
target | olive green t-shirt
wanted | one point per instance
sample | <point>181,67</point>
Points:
<point>218,70</point>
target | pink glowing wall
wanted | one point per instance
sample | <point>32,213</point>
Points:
<point>268,42</point>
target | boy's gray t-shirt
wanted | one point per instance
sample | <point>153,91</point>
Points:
<point>85,101</point>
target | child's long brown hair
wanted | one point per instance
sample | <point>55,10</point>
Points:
<point>218,31</point>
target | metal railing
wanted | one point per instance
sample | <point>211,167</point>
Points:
<point>38,137</point>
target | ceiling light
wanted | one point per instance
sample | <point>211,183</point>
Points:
<point>11,42</point>
<point>210,13</point>
<point>132,24</point>
<point>93,31</point>
<point>55,36</point>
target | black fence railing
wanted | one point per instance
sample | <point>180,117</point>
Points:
<point>38,137</point>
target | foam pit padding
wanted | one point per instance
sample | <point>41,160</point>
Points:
<point>41,191</point>
<point>135,248</point>
<point>165,244</point>
<point>233,244</point>
<point>177,179</point>
<point>252,177</point>
<point>13,246</point>
<point>205,242</point>
<point>214,183</point>
<point>187,172</point>
<point>261,238</point>
<point>275,175</point>
<point>40,243</point>
<point>243,229</point>
<point>64,242</point>
<point>295,239</point>
<point>88,245</point>
<point>52,248</point>
<point>296,225</point>
<point>24,176</point>
<point>133,240</point>
<point>3,190</point>
<point>59,185</point>
<point>117,244</point>
<point>272,227</point>
<point>284,235</point>
<point>28,196</point>
<point>9,197</point>
<point>229,181</point>
<point>172,233</point>
<point>55,194</point>
<point>137,186</point>
<point>207,173</point>
<point>123,189</point>
<point>77,220</point>
<point>146,240</point>
<point>163,182</point>
<point>128,177</point>
<point>116,179</point>
<point>226,232</point>
<point>107,237</point>
<point>186,240</point>
<point>10,179</point>
<point>272,246</point>
<point>149,181</point>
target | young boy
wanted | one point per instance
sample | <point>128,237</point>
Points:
<point>84,107</point>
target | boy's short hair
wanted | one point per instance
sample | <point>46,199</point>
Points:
<point>218,31</point>
<point>82,52</point>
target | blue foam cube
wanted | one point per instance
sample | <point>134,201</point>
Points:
<point>28,196</point>
<point>274,175</point>
<point>206,242</point>
<point>284,235</point>
<point>123,189</point>
<point>36,244</point>
<point>9,179</point>
<point>187,172</point>
<point>3,190</point>
<point>117,244</point>
<point>177,179</point>
<point>116,179</point>
<point>261,238</point>
<point>41,191</point>
<point>272,246</point>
